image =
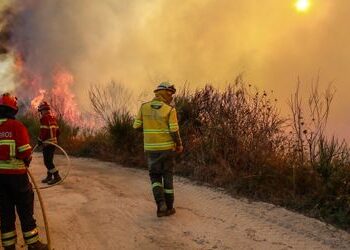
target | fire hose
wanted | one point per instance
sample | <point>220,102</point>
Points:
<point>37,189</point>
<point>42,210</point>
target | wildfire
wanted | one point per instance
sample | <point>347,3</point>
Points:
<point>37,100</point>
<point>55,89</point>
<point>63,102</point>
<point>62,97</point>
<point>59,96</point>
<point>36,79</point>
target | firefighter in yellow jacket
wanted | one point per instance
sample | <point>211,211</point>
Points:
<point>158,119</point>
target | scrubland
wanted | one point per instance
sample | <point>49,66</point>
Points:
<point>234,138</point>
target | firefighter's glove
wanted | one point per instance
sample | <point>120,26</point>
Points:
<point>27,161</point>
<point>179,149</point>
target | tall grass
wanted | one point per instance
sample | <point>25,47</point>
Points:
<point>232,137</point>
<point>235,138</point>
<point>321,164</point>
<point>112,104</point>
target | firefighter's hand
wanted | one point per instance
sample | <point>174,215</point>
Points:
<point>27,161</point>
<point>179,149</point>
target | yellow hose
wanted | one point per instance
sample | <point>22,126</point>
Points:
<point>42,210</point>
<point>37,189</point>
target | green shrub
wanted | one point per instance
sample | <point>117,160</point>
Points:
<point>31,120</point>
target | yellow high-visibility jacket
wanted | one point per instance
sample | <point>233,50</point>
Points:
<point>158,121</point>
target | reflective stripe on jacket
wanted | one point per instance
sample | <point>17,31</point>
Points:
<point>49,130</point>
<point>14,147</point>
<point>158,120</point>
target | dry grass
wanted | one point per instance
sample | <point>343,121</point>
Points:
<point>235,138</point>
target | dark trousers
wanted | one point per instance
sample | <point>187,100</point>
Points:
<point>161,171</point>
<point>48,153</point>
<point>16,193</point>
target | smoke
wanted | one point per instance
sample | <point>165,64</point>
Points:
<point>141,42</point>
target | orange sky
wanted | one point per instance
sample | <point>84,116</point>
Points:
<point>140,42</point>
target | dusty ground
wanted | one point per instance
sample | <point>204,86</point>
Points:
<point>104,206</point>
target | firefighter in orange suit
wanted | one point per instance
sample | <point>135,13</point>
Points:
<point>49,132</point>
<point>15,189</point>
<point>158,120</point>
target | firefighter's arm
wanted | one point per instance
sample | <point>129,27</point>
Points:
<point>177,139</point>
<point>174,130</point>
<point>138,122</point>
<point>23,150</point>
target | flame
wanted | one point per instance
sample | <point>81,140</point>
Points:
<point>38,99</point>
<point>55,88</point>
<point>63,100</point>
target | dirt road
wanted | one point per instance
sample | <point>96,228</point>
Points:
<point>104,206</point>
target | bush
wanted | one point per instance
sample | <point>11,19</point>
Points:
<point>31,120</point>
<point>112,104</point>
<point>123,135</point>
<point>237,129</point>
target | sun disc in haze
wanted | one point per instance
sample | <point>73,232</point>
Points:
<point>302,5</point>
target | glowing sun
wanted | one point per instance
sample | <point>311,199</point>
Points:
<point>302,5</point>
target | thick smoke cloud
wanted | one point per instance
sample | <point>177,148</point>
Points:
<point>141,42</point>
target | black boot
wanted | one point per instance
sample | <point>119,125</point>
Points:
<point>47,179</point>
<point>161,209</point>
<point>56,178</point>
<point>38,246</point>
<point>12,247</point>
<point>170,211</point>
